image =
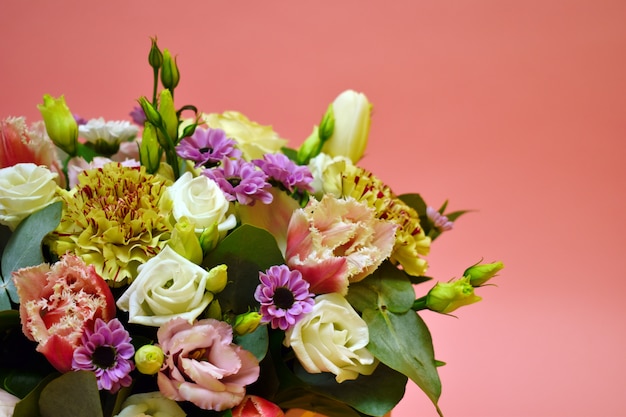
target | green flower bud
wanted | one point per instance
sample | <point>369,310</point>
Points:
<point>217,280</point>
<point>246,323</point>
<point>185,242</point>
<point>169,71</point>
<point>149,150</point>
<point>168,114</point>
<point>60,123</point>
<point>209,238</point>
<point>310,148</point>
<point>152,115</point>
<point>215,310</point>
<point>155,57</point>
<point>148,359</point>
<point>480,274</point>
<point>327,125</point>
<point>445,297</point>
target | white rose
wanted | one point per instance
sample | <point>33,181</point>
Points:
<point>24,189</point>
<point>201,201</point>
<point>326,171</point>
<point>332,338</point>
<point>170,286</point>
<point>150,404</point>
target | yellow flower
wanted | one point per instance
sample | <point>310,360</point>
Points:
<point>253,139</point>
<point>60,124</point>
<point>343,179</point>
<point>112,220</point>
<point>149,359</point>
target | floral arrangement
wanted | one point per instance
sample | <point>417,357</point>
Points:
<point>192,264</point>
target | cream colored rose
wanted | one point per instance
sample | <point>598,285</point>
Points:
<point>253,139</point>
<point>170,286</point>
<point>326,171</point>
<point>201,201</point>
<point>24,189</point>
<point>150,404</point>
<point>332,338</point>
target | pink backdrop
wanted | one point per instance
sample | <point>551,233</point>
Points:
<point>516,109</point>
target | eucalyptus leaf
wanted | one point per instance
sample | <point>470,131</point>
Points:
<point>29,405</point>
<point>358,393</point>
<point>256,342</point>
<point>403,342</point>
<point>71,394</point>
<point>246,251</point>
<point>387,287</point>
<point>24,247</point>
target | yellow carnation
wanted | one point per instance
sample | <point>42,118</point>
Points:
<point>112,220</point>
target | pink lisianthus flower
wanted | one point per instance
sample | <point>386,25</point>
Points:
<point>22,144</point>
<point>58,302</point>
<point>253,406</point>
<point>337,241</point>
<point>203,365</point>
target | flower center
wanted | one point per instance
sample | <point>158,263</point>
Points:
<point>104,357</point>
<point>283,298</point>
<point>204,150</point>
<point>234,181</point>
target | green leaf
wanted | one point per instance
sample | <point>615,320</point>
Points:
<point>306,400</point>
<point>373,395</point>
<point>246,251</point>
<point>256,342</point>
<point>20,383</point>
<point>29,405</point>
<point>24,247</point>
<point>403,342</point>
<point>387,287</point>
<point>456,214</point>
<point>71,394</point>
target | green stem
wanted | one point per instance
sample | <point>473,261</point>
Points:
<point>420,304</point>
<point>155,85</point>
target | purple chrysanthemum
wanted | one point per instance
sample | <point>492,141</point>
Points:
<point>207,147</point>
<point>284,296</point>
<point>284,171</point>
<point>242,181</point>
<point>107,352</point>
<point>138,116</point>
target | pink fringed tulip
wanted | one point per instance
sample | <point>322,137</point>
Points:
<point>58,302</point>
<point>20,143</point>
<point>337,241</point>
<point>253,406</point>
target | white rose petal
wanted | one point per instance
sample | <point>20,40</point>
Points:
<point>201,201</point>
<point>24,189</point>
<point>169,286</point>
<point>332,338</point>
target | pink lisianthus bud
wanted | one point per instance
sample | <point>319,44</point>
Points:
<point>253,406</point>
<point>58,302</point>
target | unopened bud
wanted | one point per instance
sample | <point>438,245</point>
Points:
<point>148,359</point>
<point>155,57</point>
<point>169,71</point>
<point>60,123</point>
<point>246,323</point>
<point>445,297</point>
<point>480,274</point>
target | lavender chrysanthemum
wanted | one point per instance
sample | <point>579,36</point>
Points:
<point>207,147</point>
<point>241,181</point>
<point>440,221</point>
<point>138,116</point>
<point>284,171</point>
<point>284,296</point>
<point>107,352</point>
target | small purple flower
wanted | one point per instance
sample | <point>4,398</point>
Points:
<point>242,181</point>
<point>107,352</point>
<point>440,221</point>
<point>79,120</point>
<point>283,170</point>
<point>138,116</point>
<point>207,147</point>
<point>284,296</point>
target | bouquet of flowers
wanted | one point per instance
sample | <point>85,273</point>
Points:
<point>193,264</point>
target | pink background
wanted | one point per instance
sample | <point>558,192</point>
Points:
<point>516,109</point>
